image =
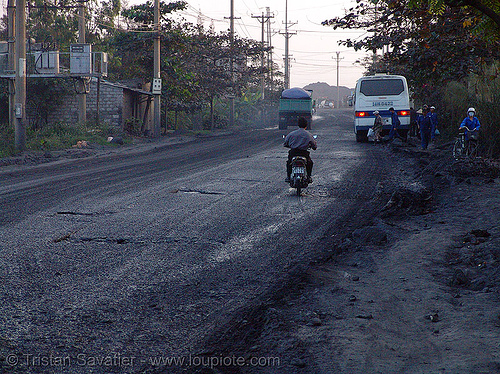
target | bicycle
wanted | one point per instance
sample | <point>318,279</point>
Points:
<point>463,147</point>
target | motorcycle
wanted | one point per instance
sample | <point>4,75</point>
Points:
<point>299,177</point>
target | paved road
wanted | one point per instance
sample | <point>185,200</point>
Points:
<point>146,255</point>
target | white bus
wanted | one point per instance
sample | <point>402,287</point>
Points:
<point>381,92</point>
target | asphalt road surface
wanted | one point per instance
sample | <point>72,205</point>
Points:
<point>114,264</point>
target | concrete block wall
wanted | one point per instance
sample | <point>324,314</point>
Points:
<point>111,103</point>
<point>111,106</point>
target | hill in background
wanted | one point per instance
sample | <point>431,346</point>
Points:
<point>322,90</point>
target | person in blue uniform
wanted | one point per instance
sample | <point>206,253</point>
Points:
<point>395,125</point>
<point>434,120</point>
<point>471,122</point>
<point>425,125</point>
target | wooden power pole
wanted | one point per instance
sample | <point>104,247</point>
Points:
<point>263,19</point>
<point>231,65</point>
<point>20,78</point>
<point>156,72</point>
<point>82,96</point>
<point>11,16</point>
<point>338,75</point>
<point>287,35</point>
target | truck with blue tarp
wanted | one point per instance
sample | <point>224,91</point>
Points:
<point>294,103</point>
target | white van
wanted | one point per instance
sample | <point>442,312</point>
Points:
<point>381,92</point>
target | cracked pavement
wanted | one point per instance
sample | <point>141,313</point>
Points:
<point>148,254</point>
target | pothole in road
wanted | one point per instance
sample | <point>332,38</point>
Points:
<point>133,241</point>
<point>69,213</point>
<point>200,192</point>
<point>323,193</point>
<point>109,240</point>
<point>76,213</point>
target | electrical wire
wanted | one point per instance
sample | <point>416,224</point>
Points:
<point>113,27</point>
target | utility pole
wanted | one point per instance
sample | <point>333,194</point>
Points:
<point>263,19</point>
<point>11,14</point>
<point>156,71</point>
<point>20,76</point>
<point>231,63</point>
<point>338,71</point>
<point>82,96</point>
<point>269,52</point>
<point>231,58</point>
<point>287,35</point>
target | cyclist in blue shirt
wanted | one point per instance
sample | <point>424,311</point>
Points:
<point>471,122</point>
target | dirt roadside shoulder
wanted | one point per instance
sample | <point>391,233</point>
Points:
<point>30,159</point>
<point>415,291</point>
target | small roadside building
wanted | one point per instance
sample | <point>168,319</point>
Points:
<point>116,104</point>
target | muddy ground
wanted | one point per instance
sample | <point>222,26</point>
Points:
<point>79,151</point>
<point>411,285</point>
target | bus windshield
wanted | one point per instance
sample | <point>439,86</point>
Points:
<point>381,87</point>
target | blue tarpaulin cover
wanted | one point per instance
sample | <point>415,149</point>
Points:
<point>295,93</point>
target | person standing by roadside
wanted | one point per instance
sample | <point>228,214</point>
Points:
<point>378,126</point>
<point>395,125</point>
<point>419,118</point>
<point>434,120</point>
<point>413,122</point>
<point>425,125</point>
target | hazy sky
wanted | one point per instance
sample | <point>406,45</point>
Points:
<point>313,48</point>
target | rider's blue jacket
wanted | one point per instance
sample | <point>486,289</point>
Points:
<point>471,124</point>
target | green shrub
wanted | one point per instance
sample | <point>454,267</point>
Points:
<point>133,126</point>
<point>55,136</point>
<point>7,147</point>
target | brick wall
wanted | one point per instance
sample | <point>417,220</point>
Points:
<point>111,106</point>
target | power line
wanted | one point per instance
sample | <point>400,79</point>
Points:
<point>199,12</point>
<point>325,65</point>
<point>287,36</point>
<point>244,29</point>
<point>113,27</point>
<point>263,19</point>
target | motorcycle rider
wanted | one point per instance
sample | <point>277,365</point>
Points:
<point>299,141</point>
<point>471,122</point>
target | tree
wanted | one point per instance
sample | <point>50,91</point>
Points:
<point>195,67</point>
<point>486,20</point>
<point>430,49</point>
<point>194,61</point>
